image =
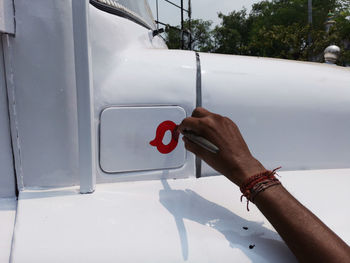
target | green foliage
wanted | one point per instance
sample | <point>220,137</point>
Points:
<point>173,37</point>
<point>201,39</point>
<point>231,36</point>
<point>280,41</point>
<point>201,35</point>
<point>277,28</point>
<point>341,33</point>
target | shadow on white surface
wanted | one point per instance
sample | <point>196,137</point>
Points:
<point>8,204</point>
<point>251,237</point>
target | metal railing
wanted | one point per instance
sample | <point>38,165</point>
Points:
<point>183,10</point>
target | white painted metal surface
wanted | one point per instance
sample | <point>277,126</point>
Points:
<point>41,86</point>
<point>186,220</point>
<point>126,133</point>
<point>7,18</point>
<point>129,69</point>
<point>320,200</point>
<point>7,174</point>
<point>292,114</point>
<point>7,224</point>
<point>157,221</point>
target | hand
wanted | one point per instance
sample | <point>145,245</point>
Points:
<point>234,159</point>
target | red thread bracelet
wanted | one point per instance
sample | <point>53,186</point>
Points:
<point>257,184</point>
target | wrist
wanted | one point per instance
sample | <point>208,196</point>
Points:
<point>257,184</point>
<point>248,169</point>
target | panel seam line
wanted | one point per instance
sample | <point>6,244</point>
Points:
<point>198,161</point>
<point>11,95</point>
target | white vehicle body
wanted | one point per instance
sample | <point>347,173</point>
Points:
<point>81,94</point>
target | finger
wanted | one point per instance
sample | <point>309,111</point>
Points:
<point>190,124</point>
<point>196,149</point>
<point>200,112</point>
<point>199,126</point>
<point>192,147</point>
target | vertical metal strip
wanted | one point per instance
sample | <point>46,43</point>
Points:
<point>12,104</point>
<point>182,25</point>
<point>198,104</point>
<point>190,24</point>
<point>83,73</point>
<point>157,14</point>
<point>12,189</point>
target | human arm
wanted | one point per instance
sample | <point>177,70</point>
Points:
<point>308,238</point>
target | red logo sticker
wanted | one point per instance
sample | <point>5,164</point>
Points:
<point>161,130</point>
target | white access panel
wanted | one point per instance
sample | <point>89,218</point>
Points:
<point>126,134</point>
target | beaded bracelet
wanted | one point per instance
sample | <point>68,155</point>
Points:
<point>257,184</point>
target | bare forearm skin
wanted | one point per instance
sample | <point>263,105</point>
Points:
<point>309,239</point>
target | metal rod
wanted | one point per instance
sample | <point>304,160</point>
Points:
<point>167,25</point>
<point>190,24</point>
<point>157,14</point>
<point>309,5</point>
<point>175,5</point>
<point>310,11</point>
<point>182,25</point>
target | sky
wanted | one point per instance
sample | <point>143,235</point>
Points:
<point>201,9</point>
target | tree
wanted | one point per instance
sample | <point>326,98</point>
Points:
<point>231,36</point>
<point>280,29</point>
<point>202,39</point>
<point>342,32</point>
<point>173,37</point>
<point>201,35</point>
<point>277,28</point>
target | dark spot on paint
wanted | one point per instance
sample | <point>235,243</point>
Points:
<point>251,246</point>
<point>245,228</point>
